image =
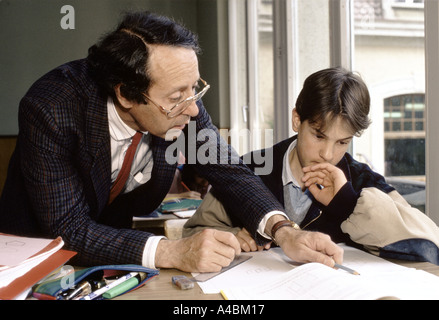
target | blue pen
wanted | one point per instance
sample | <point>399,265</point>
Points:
<point>101,291</point>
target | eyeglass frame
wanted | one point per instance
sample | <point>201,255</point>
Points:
<point>195,97</point>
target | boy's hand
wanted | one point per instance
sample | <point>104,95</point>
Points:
<point>328,176</point>
<point>248,243</point>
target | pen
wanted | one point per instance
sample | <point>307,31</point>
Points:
<point>84,287</point>
<point>185,186</point>
<point>109,286</point>
<point>339,266</point>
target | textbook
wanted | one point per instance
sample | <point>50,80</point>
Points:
<point>25,261</point>
<point>271,275</point>
<point>315,281</point>
<point>180,205</point>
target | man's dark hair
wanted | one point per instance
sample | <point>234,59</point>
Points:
<point>334,92</point>
<point>122,55</point>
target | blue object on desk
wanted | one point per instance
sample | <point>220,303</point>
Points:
<point>154,214</point>
<point>52,290</point>
<point>180,205</point>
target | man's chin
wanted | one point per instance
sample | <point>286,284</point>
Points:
<point>173,133</point>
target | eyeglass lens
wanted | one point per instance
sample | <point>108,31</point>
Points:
<point>182,106</point>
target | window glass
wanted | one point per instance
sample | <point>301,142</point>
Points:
<point>265,63</point>
<point>389,55</point>
<point>312,53</point>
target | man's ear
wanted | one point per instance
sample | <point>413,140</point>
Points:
<point>295,120</point>
<point>123,102</point>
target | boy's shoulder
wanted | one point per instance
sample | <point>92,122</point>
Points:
<point>362,176</point>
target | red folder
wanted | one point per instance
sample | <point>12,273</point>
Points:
<point>36,274</point>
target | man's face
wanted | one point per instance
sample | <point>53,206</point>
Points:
<point>315,146</point>
<point>174,74</point>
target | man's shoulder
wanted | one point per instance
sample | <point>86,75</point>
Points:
<point>71,76</point>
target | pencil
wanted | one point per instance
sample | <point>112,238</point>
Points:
<point>339,266</point>
<point>185,186</point>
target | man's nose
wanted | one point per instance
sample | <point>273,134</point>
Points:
<point>192,110</point>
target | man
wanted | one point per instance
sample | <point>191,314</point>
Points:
<point>323,188</point>
<point>67,175</point>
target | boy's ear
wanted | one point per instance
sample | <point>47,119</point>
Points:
<point>126,104</point>
<point>295,120</point>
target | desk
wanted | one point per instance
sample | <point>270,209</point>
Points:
<point>166,224</point>
<point>161,287</point>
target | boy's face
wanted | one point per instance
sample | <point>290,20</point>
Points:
<point>315,146</point>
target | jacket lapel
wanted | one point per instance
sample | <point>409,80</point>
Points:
<point>97,139</point>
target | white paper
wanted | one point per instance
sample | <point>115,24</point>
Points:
<point>378,279</point>
<point>185,214</point>
<point>14,250</point>
<point>262,267</point>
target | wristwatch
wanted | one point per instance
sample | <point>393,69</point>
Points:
<point>281,224</point>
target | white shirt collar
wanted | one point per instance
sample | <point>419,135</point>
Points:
<point>118,129</point>
<point>287,175</point>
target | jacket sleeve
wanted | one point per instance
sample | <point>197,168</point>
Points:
<point>243,194</point>
<point>209,215</point>
<point>386,225</point>
<point>57,192</point>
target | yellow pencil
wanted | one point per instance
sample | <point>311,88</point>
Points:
<point>339,266</point>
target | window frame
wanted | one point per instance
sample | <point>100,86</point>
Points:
<point>431,108</point>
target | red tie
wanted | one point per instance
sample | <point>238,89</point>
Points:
<point>126,168</point>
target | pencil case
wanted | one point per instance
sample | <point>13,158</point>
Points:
<point>58,288</point>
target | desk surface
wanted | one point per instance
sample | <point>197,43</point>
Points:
<point>161,287</point>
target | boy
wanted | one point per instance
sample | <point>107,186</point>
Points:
<point>323,188</point>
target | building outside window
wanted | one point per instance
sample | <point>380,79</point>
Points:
<point>404,134</point>
<point>390,56</point>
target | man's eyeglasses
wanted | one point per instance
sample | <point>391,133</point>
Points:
<point>180,107</point>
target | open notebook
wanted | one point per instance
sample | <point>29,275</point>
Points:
<point>271,275</point>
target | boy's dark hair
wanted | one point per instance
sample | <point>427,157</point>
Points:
<point>334,92</point>
<point>122,55</point>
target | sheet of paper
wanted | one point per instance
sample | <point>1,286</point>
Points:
<point>315,281</point>
<point>14,250</point>
<point>269,275</point>
<point>311,281</point>
<point>263,266</point>
<point>185,214</point>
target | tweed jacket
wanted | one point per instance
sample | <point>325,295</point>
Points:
<point>59,175</point>
<point>366,213</point>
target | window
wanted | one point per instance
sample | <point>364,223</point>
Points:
<point>404,116</point>
<point>408,2</point>
<point>389,55</point>
<point>404,134</point>
<point>299,44</point>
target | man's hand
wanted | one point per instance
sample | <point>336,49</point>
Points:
<point>308,246</point>
<point>206,251</point>
<point>305,246</point>
<point>248,243</point>
<point>328,176</point>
